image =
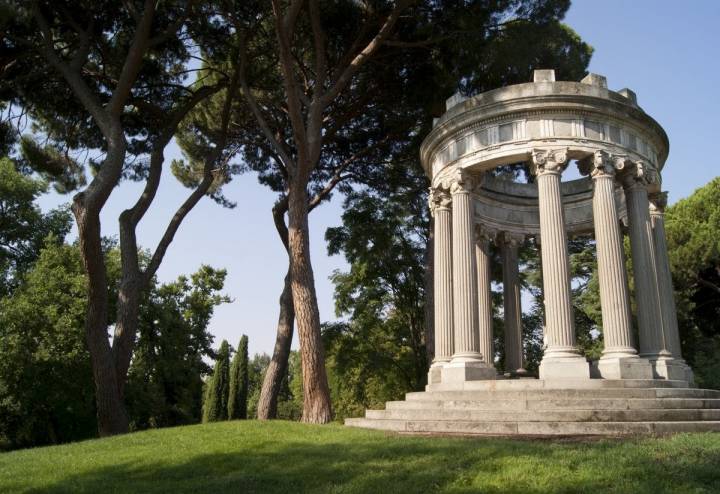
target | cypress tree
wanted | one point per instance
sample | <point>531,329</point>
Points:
<point>216,399</point>
<point>239,381</point>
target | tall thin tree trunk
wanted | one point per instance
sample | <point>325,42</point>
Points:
<point>316,392</point>
<point>111,416</point>
<point>276,371</point>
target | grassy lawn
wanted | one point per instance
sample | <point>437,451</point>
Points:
<point>252,456</point>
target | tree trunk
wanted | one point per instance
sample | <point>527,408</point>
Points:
<point>111,416</point>
<point>316,393</point>
<point>276,371</point>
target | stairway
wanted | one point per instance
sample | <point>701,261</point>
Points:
<point>550,408</point>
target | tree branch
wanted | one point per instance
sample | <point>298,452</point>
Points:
<point>133,61</point>
<point>203,186</point>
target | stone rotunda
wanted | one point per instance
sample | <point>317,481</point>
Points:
<point>640,384</point>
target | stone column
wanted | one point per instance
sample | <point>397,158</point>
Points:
<point>562,358</point>
<point>467,362</point>
<point>485,307</point>
<point>668,313</point>
<point>636,181</point>
<point>512,309</point>
<point>440,203</point>
<point>619,358</point>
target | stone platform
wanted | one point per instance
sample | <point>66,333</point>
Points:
<point>550,408</point>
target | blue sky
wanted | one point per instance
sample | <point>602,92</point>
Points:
<point>666,54</point>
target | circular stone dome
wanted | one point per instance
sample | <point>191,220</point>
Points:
<point>504,126</point>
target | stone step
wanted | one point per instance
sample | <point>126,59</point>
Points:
<point>647,415</point>
<point>532,428</point>
<point>530,384</point>
<point>559,404</point>
<point>562,394</point>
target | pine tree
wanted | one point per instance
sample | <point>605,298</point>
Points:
<point>239,382</point>
<point>216,399</point>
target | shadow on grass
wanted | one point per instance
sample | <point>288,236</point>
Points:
<point>376,464</point>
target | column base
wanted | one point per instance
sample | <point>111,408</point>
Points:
<point>435,372</point>
<point>689,374</point>
<point>576,367</point>
<point>622,368</point>
<point>669,368</point>
<point>454,372</point>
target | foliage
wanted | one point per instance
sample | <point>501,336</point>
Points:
<point>290,399</point>
<point>281,457</point>
<point>24,229</point>
<point>165,385</point>
<point>380,352</point>
<point>692,226</point>
<point>215,406</point>
<point>46,387</point>
<point>239,382</point>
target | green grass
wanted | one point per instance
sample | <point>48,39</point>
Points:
<point>266,457</point>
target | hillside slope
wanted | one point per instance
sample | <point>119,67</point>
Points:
<point>266,457</point>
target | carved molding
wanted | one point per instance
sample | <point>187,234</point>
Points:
<point>485,233</point>
<point>658,203</point>
<point>439,198</point>
<point>640,174</point>
<point>511,239</point>
<point>462,182</point>
<point>549,161</point>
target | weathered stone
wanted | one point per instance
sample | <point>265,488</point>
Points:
<point>550,124</point>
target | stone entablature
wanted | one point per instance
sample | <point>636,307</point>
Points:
<point>503,205</point>
<point>504,126</point>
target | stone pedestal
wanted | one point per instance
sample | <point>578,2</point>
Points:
<point>562,358</point>
<point>460,371</point>
<point>622,368</point>
<point>669,368</point>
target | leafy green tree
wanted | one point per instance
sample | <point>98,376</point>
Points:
<point>215,407</point>
<point>372,112</point>
<point>109,80</point>
<point>24,229</point>
<point>46,382</point>
<point>165,386</point>
<point>239,382</point>
<point>692,226</point>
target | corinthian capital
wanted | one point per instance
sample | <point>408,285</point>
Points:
<point>640,174</point>
<point>439,198</point>
<point>512,239</point>
<point>549,161</point>
<point>462,182</point>
<point>658,202</point>
<point>485,234</point>
<point>600,164</point>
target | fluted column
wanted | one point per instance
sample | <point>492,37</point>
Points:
<point>664,281</point>
<point>619,358</point>
<point>440,203</point>
<point>485,306</point>
<point>467,362</point>
<point>668,313</point>
<point>562,358</point>
<point>467,341</point>
<point>512,309</point>
<point>652,343</point>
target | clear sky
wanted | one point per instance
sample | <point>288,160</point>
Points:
<point>663,50</point>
